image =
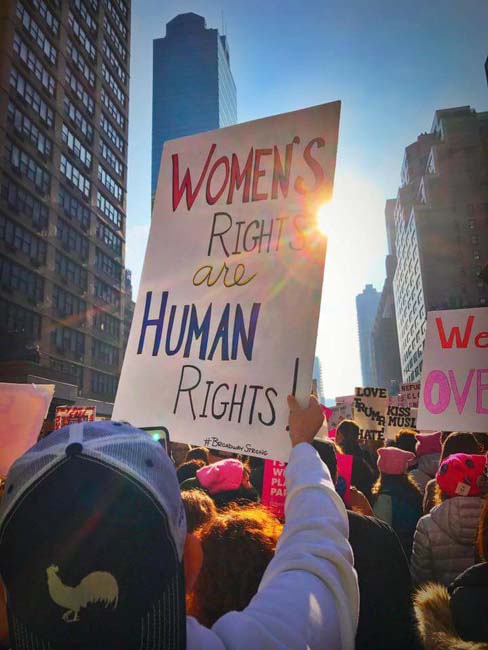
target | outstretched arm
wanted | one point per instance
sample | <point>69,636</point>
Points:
<point>308,597</point>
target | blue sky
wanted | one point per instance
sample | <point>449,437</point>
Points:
<point>391,63</point>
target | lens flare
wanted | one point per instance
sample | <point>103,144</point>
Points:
<point>324,214</point>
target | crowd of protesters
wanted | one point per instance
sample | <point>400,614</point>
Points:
<point>399,562</point>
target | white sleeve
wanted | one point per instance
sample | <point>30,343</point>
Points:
<point>308,597</point>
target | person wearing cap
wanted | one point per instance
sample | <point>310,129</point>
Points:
<point>397,498</point>
<point>444,541</point>
<point>94,552</point>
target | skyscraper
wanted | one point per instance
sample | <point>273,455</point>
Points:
<point>64,101</point>
<point>384,337</point>
<point>441,224</point>
<point>193,87</point>
<point>319,378</point>
<point>366,308</point>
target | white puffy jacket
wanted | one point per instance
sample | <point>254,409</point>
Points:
<point>443,545</point>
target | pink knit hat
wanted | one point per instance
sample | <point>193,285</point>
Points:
<point>392,460</point>
<point>221,476</point>
<point>428,443</point>
<point>464,475</point>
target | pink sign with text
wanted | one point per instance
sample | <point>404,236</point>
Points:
<point>274,488</point>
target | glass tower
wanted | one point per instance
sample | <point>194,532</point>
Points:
<point>193,87</point>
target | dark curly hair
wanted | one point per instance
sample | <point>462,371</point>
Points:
<point>237,547</point>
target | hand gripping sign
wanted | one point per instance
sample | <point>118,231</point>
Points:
<point>226,319</point>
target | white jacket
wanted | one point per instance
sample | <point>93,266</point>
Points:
<point>308,598</point>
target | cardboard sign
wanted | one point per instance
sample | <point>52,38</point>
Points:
<point>70,414</point>
<point>23,408</point>
<point>274,487</point>
<point>454,387</point>
<point>339,412</point>
<point>370,406</point>
<point>226,319</point>
<point>398,418</point>
<point>409,394</point>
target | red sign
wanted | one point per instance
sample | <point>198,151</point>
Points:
<point>274,488</point>
<point>71,414</point>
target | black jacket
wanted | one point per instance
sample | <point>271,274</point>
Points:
<point>386,619</point>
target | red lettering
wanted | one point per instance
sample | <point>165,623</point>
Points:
<point>257,173</point>
<point>314,165</point>
<point>208,195</point>
<point>454,334</point>
<point>280,176</point>
<point>477,341</point>
<point>186,186</point>
<point>236,177</point>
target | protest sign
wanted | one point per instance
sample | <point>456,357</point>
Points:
<point>339,412</point>
<point>345,399</point>
<point>274,487</point>
<point>23,408</point>
<point>71,414</point>
<point>399,417</point>
<point>409,394</point>
<point>370,406</point>
<point>454,386</point>
<point>226,320</point>
<point>344,474</point>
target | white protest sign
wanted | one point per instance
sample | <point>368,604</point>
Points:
<point>226,319</point>
<point>409,394</point>
<point>454,386</point>
<point>370,406</point>
<point>23,408</point>
<point>398,418</point>
<point>339,412</point>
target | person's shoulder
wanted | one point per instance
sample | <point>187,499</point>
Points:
<point>373,527</point>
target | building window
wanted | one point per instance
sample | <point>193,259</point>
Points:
<point>79,91</point>
<point>77,118</point>
<point>71,271</point>
<point>105,353</point>
<point>109,210</point>
<point>17,319</point>
<point>122,7</point>
<point>112,109</point>
<point>49,19</point>
<point>36,32</point>
<point>115,39</point>
<point>66,303</point>
<point>112,133</point>
<point>74,209</point>
<point>22,201</point>
<point>19,238</point>
<point>75,146</point>
<point>85,15</point>
<point>23,125</point>
<point>116,18</point>
<point>102,384</point>
<point>110,54</point>
<point>72,240</point>
<point>80,34</point>
<point>114,86</point>
<point>112,186</point>
<point>106,324</point>
<point>108,265</point>
<point>34,64</point>
<point>74,175</point>
<point>109,238</point>
<point>80,63</point>
<point>68,368</point>
<point>111,158</point>
<point>107,293</point>
<point>31,97</point>
<point>66,339</point>
<point>28,168</point>
<point>17,277</point>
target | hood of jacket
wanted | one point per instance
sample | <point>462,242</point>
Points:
<point>458,518</point>
<point>434,621</point>
<point>429,464</point>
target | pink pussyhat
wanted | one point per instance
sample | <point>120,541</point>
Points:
<point>392,460</point>
<point>428,443</point>
<point>219,477</point>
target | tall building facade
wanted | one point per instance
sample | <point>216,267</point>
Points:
<point>318,376</point>
<point>366,308</point>
<point>64,104</point>
<point>193,87</point>
<point>384,338</point>
<point>441,224</point>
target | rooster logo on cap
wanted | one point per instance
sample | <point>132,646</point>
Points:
<point>97,587</point>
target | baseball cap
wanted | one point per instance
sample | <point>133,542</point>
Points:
<point>92,528</point>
